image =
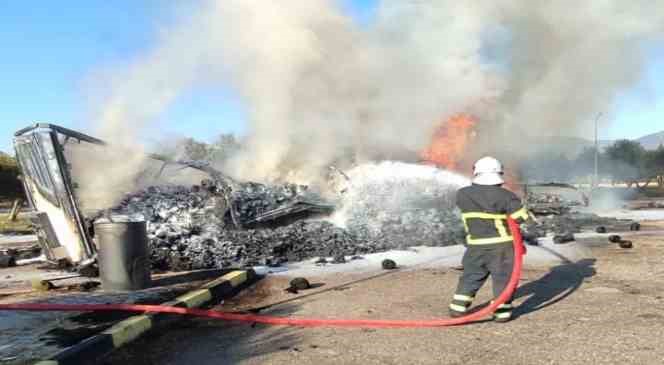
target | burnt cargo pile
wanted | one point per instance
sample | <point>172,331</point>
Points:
<point>192,228</point>
<point>199,227</point>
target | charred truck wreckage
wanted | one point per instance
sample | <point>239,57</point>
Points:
<point>223,223</point>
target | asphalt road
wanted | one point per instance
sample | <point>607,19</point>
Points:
<point>605,310</point>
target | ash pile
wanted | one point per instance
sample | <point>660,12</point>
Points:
<point>388,206</point>
<point>199,227</point>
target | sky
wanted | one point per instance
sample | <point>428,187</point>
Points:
<point>50,48</point>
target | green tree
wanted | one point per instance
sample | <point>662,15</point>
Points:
<point>627,161</point>
<point>10,185</point>
<point>654,161</point>
<point>547,168</point>
<point>225,146</point>
<point>191,149</point>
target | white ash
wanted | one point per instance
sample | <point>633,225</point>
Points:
<point>401,205</point>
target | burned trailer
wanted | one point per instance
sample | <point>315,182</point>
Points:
<point>64,222</point>
<point>57,163</point>
<point>50,191</point>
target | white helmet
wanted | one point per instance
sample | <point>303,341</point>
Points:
<point>488,171</point>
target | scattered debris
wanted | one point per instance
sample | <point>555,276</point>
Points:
<point>42,285</point>
<point>206,226</point>
<point>86,286</point>
<point>298,284</point>
<point>614,238</point>
<point>339,259</point>
<point>625,244</point>
<point>388,264</point>
<point>384,206</point>
<point>91,271</point>
<point>560,226</point>
<point>532,242</point>
<point>563,238</point>
<point>548,209</point>
<point>48,284</point>
<point>192,228</point>
<point>321,261</point>
<point>7,261</point>
<point>553,199</point>
<point>530,235</point>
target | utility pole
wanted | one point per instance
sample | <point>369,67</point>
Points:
<point>596,175</point>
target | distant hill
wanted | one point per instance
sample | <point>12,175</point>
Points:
<point>568,146</point>
<point>572,146</point>
<point>652,141</point>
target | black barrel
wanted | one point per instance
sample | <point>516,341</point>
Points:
<point>7,261</point>
<point>123,253</point>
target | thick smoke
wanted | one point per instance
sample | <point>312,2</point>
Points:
<point>320,89</point>
<point>569,61</point>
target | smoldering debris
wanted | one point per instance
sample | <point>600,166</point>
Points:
<point>625,244</point>
<point>547,199</point>
<point>203,226</point>
<point>383,206</point>
<point>190,228</point>
<point>253,204</point>
<point>402,204</point>
<point>564,226</point>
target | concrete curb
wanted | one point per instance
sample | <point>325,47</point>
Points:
<point>133,327</point>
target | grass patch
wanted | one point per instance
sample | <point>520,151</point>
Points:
<point>20,226</point>
<point>10,186</point>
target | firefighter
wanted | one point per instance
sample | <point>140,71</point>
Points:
<point>485,206</point>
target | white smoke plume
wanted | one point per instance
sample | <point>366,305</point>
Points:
<point>319,88</point>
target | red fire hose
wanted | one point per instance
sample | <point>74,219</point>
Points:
<point>519,250</point>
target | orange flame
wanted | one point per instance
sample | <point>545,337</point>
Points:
<point>449,145</point>
<point>451,149</point>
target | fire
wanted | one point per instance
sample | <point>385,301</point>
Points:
<point>451,148</point>
<point>449,145</point>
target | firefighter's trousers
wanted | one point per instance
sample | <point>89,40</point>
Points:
<point>478,264</point>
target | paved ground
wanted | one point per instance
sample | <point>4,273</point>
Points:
<point>29,336</point>
<point>605,310</point>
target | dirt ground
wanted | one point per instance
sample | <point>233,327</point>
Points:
<point>606,310</point>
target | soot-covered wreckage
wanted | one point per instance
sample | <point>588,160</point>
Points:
<point>219,222</point>
<point>216,223</point>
